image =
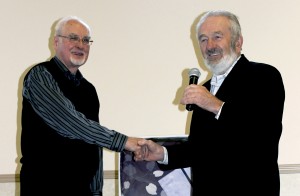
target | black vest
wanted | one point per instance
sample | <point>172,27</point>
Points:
<point>59,162</point>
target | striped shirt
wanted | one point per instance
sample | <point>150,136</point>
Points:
<point>58,112</point>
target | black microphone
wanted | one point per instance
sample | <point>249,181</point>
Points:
<point>194,74</point>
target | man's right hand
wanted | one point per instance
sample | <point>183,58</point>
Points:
<point>150,151</point>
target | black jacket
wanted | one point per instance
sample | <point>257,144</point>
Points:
<point>237,154</point>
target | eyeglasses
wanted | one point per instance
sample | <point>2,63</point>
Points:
<point>76,38</point>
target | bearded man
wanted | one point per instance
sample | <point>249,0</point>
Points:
<point>236,126</point>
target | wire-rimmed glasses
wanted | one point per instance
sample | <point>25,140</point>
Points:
<point>76,38</point>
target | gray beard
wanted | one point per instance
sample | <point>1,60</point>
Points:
<point>223,65</point>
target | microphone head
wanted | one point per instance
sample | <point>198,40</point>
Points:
<point>194,72</point>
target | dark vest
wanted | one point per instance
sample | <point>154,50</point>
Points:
<point>60,163</point>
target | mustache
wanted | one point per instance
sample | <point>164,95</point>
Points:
<point>214,51</point>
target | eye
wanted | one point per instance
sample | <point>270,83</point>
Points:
<point>74,38</point>
<point>202,39</point>
<point>218,36</point>
<point>86,40</point>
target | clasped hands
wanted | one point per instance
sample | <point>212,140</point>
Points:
<point>144,150</point>
<point>147,150</point>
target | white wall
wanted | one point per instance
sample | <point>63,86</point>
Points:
<point>139,59</point>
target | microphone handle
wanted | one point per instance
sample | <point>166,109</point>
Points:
<point>193,80</point>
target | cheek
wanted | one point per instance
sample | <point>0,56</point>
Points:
<point>87,51</point>
<point>225,48</point>
<point>202,47</point>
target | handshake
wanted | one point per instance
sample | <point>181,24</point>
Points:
<point>144,150</point>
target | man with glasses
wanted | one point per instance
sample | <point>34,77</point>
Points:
<point>62,139</point>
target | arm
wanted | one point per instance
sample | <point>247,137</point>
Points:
<point>48,101</point>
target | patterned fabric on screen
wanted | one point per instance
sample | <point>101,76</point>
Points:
<point>146,178</point>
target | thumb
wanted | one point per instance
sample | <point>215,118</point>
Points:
<point>141,142</point>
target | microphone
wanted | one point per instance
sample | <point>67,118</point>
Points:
<point>194,74</point>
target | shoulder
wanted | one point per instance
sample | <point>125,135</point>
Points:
<point>38,70</point>
<point>265,70</point>
<point>40,66</point>
<point>257,68</point>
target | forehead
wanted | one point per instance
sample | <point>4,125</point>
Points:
<point>214,24</point>
<point>76,27</point>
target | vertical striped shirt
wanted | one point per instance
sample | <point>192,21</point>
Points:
<point>58,112</point>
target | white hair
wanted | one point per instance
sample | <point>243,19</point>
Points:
<point>61,23</point>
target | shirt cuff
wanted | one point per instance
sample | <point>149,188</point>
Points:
<point>166,160</point>
<point>218,115</point>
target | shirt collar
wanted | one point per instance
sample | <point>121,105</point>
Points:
<point>76,78</point>
<point>217,80</point>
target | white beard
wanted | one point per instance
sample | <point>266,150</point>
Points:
<point>223,65</point>
<point>78,62</point>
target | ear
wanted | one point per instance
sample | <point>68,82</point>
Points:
<point>55,41</point>
<point>239,44</point>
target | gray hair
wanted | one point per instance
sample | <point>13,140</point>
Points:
<point>235,27</point>
<point>63,21</point>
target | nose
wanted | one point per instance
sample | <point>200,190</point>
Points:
<point>80,41</point>
<point>210,44</point>
<point>79,44</point>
